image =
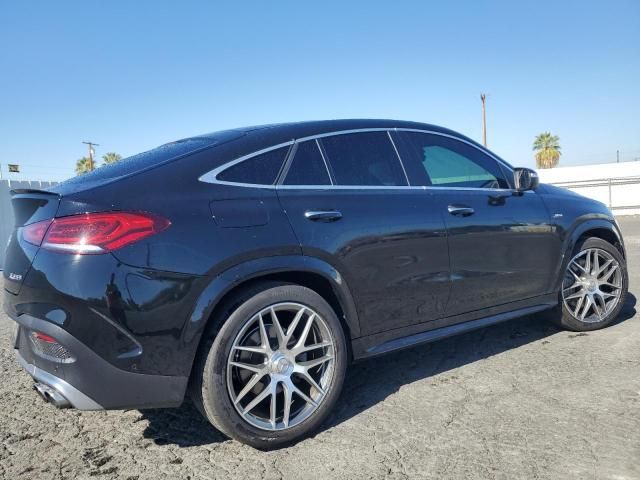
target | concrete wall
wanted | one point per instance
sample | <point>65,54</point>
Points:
<point>615,184</point>
<point>6,212</point>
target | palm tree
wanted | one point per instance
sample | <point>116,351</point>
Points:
<point>83,165</point>
<point>547,148</point>
<point>111,157</point>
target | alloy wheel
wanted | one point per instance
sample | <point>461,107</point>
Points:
<point>281,366</point>
<point>592,285</point>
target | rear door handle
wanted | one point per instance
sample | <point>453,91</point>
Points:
<point>460,210</point>
<point>323,215</point>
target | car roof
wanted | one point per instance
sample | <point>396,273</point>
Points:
<point>282,132</point>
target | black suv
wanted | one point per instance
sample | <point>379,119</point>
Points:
<point>248,267</point>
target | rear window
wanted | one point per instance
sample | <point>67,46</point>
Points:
<point>148,159</point>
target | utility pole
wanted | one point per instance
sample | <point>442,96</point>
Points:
<point>91,151</point>
<point>617,156</point>
<point>483,98</point>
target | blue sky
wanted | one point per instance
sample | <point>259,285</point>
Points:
<point>132,75</point>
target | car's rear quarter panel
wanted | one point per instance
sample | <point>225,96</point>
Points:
<point>149,289</point>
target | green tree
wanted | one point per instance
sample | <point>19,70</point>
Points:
<point>547,148</point>
<point>111,157</point>
<point>83,165</point>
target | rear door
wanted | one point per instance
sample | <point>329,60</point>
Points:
<point>349,202</point>
<point>502,246</point>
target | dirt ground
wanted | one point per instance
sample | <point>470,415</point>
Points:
<point>517,400</point>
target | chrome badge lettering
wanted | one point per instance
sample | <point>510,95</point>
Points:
<point>15,276</point>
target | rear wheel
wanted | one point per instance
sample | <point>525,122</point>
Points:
<point>594,287</point>
<point>275,369</point>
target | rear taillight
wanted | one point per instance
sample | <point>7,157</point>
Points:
<point>93,233</point>
<point>35,232</point>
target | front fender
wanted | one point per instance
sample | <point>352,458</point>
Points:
<point>225,281</point>
<point>581,226</point>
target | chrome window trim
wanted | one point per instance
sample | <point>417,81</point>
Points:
<point>378,187</point>
<point>399,158</point>
<point>486,152</point>
<point>344,132</point>
<point>286,166</point>
<point>324,160</point>
<point>210,177</point>
<point>289,161</point>
<point>501,163</point>
<point>349,187</point>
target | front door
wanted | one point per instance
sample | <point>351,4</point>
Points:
<point>502,246</point>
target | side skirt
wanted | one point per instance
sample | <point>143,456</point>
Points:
<point>374,345</point>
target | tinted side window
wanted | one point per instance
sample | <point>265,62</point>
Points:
<point>366,158</point>
<point>307,167</point>
<point>259,170</point>
<point>445,162</point>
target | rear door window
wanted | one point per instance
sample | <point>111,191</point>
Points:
<point>364,159</point>
<point>308,166</point>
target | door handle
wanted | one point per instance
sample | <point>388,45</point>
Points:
<point>323,215</point>
<point>460,210</point>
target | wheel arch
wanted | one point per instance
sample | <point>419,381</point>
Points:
<point>310,272</point>
<point>602,228</point>
<point>605,229</point>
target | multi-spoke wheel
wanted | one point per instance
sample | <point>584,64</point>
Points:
<point>274,369</point>
<point>594,286</point>
<point>280,366</point>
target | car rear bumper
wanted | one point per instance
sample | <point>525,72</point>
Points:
<point>74,397</point>
<point>89,382</point>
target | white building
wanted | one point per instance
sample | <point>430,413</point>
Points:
<point>615,184</point>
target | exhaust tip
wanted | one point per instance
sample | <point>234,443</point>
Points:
<point>51,395</point>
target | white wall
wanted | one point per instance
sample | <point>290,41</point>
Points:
<point>615,184</point>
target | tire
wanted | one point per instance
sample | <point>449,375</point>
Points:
<point>565,317</point>
<point>238,327</point>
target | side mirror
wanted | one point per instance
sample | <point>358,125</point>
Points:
<point>525,179</point>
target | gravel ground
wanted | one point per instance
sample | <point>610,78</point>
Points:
<point>517,400</point>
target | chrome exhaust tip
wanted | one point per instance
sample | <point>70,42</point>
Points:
<point>51,395</point>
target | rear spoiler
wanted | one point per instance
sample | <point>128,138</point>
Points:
<point>32,205</point>
<point>22,191</point>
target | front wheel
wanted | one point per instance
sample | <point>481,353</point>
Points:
<point>275,369</point>
<point>594,287</point>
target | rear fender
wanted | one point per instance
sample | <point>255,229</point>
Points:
<point>253,269</point>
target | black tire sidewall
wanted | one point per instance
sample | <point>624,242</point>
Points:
<point>216,402</point>
<point>567,320</point>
